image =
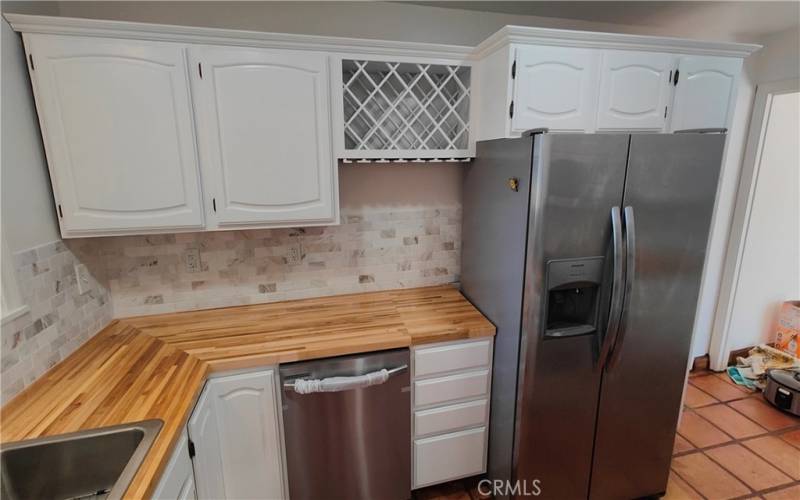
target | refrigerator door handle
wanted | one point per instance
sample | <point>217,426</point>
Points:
<point>612,327</point>
<point>630,275</point>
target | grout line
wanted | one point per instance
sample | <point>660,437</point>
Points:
<point>687,483</point>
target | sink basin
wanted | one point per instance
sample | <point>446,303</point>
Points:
<point>97,463</point>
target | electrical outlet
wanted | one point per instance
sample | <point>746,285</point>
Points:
<point>192,260</point>
<point>82,278</point>
<point>294,254</point>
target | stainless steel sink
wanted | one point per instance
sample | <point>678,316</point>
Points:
<point>97,463</point>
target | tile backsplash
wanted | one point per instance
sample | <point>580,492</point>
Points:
<point>60,318</point>
<point>372,249</point>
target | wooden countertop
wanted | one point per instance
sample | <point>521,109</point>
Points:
<point>155,366</point>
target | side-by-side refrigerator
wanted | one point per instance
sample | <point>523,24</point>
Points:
<point>586,251</point>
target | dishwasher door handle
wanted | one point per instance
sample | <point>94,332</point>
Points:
<point>339,384</point>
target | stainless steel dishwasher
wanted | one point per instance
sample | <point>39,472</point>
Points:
<point>347,424</point>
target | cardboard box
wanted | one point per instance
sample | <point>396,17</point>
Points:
<point>787,332</point>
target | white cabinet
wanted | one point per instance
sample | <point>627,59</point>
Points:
<point>264,128</point>
<point>118,132</point>
<point>237,436</point>
<point>635,90</point>
<point>555,88</point>
<point>451,385</point>
<point>177,480</point>
<point>705,92</point>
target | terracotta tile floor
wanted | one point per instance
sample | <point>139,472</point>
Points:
<point>730,444</point>
<point>733,444</point>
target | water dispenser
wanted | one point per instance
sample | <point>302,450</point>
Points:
<point>573,296</point>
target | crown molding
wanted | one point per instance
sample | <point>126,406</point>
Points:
<point>598,40</point>
<point>56,25</point>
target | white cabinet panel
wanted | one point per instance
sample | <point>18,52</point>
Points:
<point>555,88</point>
<point>264,125</point>
<point>204,433</point>
<point>450,418</point>
<point>635,88</point>
<point>451,357</point>
<point>451,388</point>
<point>449,456</point>
<point>117,125</point>
<point>177,481</point>
<point>705,92</point>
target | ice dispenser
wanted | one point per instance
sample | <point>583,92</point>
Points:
<point>573,294</point>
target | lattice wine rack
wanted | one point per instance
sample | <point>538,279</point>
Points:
<point>405,111</point>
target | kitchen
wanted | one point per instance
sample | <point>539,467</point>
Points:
<point>272,229</point>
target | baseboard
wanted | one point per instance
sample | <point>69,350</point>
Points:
<point>700,363</point>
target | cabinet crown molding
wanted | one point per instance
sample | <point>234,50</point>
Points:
<point>56,25</point>
<point>599,40</point>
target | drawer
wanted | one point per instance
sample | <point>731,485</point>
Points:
<point>451,388</point>
<point>451,357</point>
<point>449,456</point>
<point>450,418</point>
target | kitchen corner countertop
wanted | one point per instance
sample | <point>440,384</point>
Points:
<point>155,366</point>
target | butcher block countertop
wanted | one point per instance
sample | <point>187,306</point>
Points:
<point>155,366</point>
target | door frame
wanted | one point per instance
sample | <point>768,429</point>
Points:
<point>720,334</point>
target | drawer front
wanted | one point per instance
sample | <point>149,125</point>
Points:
<point>452,357</point>
<point>450,456</point>
<point>451,388</point>
<point>450,418</point>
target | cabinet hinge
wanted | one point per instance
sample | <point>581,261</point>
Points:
<point>30,60</point>
<point>60,212</point>
<point>514,70</point>
<point>665,111</point>
<point>200,69</point>
<point>511,110</point>
<point>214,204</point>
<point>191,449</point>
<point>677,75</point>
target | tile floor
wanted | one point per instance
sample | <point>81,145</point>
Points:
<point>730,445</point>
<point>733,444</point>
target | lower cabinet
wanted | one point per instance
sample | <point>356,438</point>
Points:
<point>451,383</point>
<point>177,481</point>
<point>236,434</point>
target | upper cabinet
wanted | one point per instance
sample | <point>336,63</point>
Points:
<point>635,90</point>
<point>705,90</point>
<point>118,131</point>
<point>264,128</point>
<point>554,88</point>
<point>568,81</point>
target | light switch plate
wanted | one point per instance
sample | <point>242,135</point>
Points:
<point>192,259</point>
<point>82,278</point>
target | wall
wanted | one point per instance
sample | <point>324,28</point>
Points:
<point>769,270</point>
<point>26,201</point>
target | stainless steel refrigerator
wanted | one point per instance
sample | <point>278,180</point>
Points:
<point>586,252</point>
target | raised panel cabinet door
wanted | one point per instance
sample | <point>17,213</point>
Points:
<point>117,125</point>
<point>251,452</point>
<point>204,433</point>
<point>177,480</point>
<point>635,88</point>
<point>705,92</point>
<point>555,88</point>
<point>264,125</point>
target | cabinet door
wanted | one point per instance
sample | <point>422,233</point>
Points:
<point>635,88</point>
<point>554,88</point>
<point>204,433</point>
<point>705,92</point>
<point>117,125</point>
<point>177,481</point>
<point>246,408</point>
<point>264,124</point>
